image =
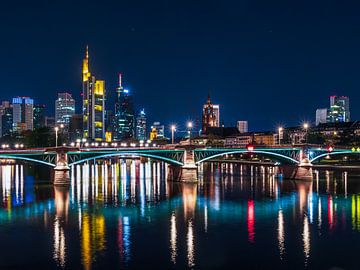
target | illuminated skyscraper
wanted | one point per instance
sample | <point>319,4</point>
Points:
<point>93,104</point>
<point>339,109</point>
<point>23,114</point>
<point>141,125</point>
<point>124,114</point>
<point>64,109</point>
<point>210,116</point>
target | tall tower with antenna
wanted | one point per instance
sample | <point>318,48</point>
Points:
<point>93,93</point>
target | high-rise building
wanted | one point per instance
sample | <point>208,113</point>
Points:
<point>210,115</point>
<point>93,104</point>
<point>141,125</point>
<point>64,109</point>
<point>3,106</point>
<point>321,116</point>
<point>39,116</point>
<point>7,121</point>
<point>160,130</point>
<point>124,114</point>
<point>23,114</point>
<point>242,126</point>
<point>339,109</point>
<point>217,114</point>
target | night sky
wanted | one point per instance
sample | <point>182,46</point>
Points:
<point>268,62</point>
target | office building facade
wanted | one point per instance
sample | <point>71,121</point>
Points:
<point>64,109</point>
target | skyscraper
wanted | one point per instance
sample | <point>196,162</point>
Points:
<point>7,121</point>
<point>321,116</point>
<point>124,114</point>
<point>141,125</point>
<point>339,109</point>
<point>210,115</point>
<point>39,116</point>
<point>93,104</point>
<point>23,114</point>
<point>64,109</point>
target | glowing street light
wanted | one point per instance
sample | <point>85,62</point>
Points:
<point>173,129</point>
<point>56,136</point>
<point>189,126</point>
<point>306,127</point>
<point>57,128</point>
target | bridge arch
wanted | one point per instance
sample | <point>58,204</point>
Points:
<point>22,158</point>
<point>347,152</point>
<point>242,151</point>
<point>129,154</point>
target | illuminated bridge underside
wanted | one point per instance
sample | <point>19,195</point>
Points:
<point>41,158</point>
<point>289,155</point>
<point>170,156</point>
<point>322,155</point>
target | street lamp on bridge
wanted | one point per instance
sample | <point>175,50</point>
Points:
<point>306,127</point>
<point>57,128</point>
<point>189,126</point>
<point>173,129</point>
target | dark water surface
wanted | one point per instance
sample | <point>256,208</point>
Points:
<point>127,216</point>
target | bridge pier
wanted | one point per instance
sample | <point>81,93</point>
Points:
<point>302,171</point>
<point>187,172</point>
<point>62,169</point>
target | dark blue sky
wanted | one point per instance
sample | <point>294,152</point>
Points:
<point>268,62</point>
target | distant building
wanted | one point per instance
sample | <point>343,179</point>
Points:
<point>49,121</point>
<point>257,138</point>
<point>141,126</point>
<point>64,109</point>
<point>217,115</point>
<point>210,116</point>
<point>76,127</point>
<point>109,121</point>
<point>23,114</point>
<point>39,116</point>
<point>242,126</point>
<point>4,105</point>
<point>321,116</point>
<point>153,134</point>
<point>124,114</point>
<point>93,104</point>
<point>339,109</point>
<point>7,121</point>
<point>160,130</point>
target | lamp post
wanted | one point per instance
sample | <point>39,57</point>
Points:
<point>173,129</point>
<point>189,126</point>
<point>56,136</point>
<point>57,128</point>
<point>280,129</point>
<point>306,127</point>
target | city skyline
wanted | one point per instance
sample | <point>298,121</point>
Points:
<point>190,58</point>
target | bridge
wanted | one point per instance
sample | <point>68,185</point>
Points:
<point>296,161</point>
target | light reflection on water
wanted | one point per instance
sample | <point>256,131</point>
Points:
<point>127,215</point>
